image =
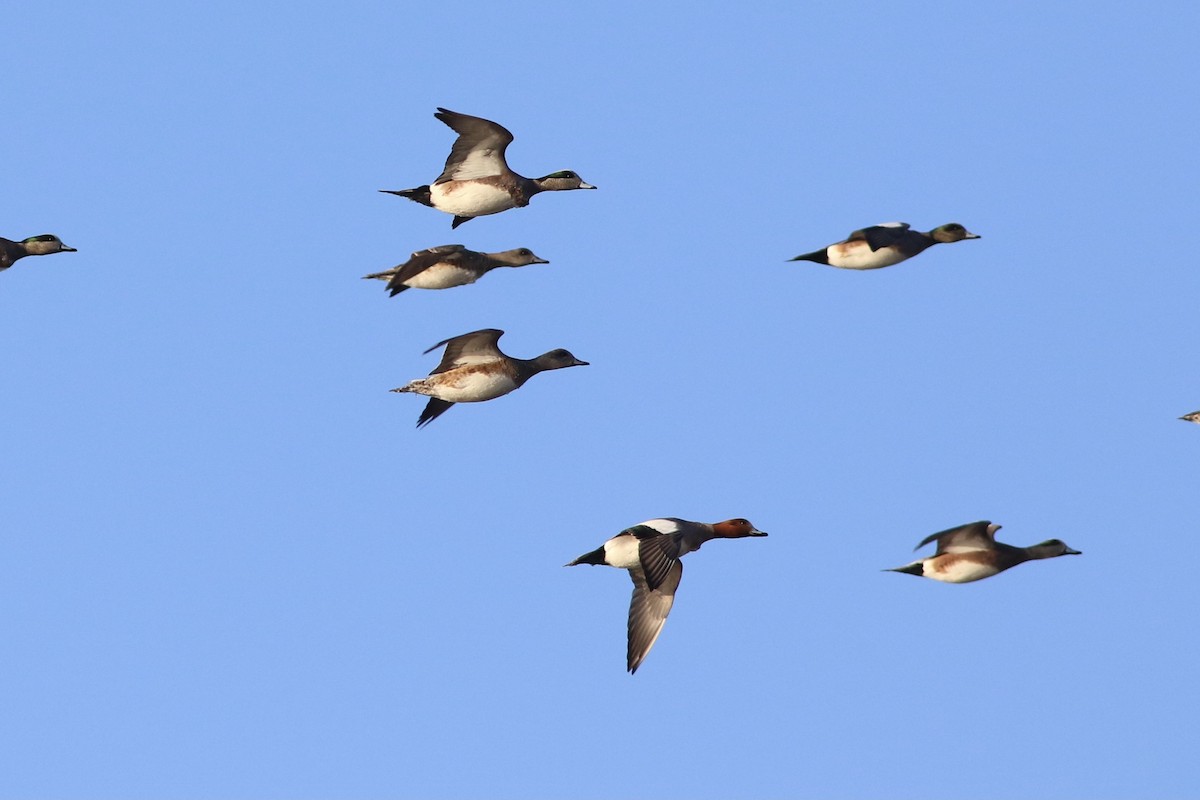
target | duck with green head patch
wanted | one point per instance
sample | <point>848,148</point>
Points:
<point>477,180</point>
<point>43,245</point>
<point>884,245</point>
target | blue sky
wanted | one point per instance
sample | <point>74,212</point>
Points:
<point>232,567</point>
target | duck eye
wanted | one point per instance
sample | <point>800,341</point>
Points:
<point>524,252</point>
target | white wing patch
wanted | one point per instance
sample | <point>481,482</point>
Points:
<point>479,164</point>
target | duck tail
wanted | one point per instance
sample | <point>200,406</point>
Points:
<point>595,557</point>
<point>916,568</point>
<point>820,257</point>
<point>419,194</point>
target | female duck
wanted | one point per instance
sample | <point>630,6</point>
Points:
<point>477,180</point>
<point>971,553</point>
<point>651,551</point>
<point>474,370</point>
<point>47,243</point>
<point>884,245</point>
<point>450,265</point>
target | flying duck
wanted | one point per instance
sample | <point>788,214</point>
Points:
<point>970,553</point>
<point>651,551</point>
<point>450,265</point>
<point>884,245</point>
<point>474,370</point>
<point>477,180</point>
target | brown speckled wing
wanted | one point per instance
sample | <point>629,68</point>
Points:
<point>648,612</point>
<point>478,152</point>
<point>972,536</point>
<point>477,347</point>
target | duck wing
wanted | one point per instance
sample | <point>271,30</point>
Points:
<point>882,235</point>
<point>433,409</point>
<point>648,612</point>
<point>478,152</point>
<point>422,260</point>
<point>658,554</point>
<point>477,347</point>
<point>973,536</point>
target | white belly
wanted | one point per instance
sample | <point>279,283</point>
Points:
<point>864,258</point>
<point>470,199</point>
<point>442,276</point>
<point>467,385</point>
<point>962,571</point>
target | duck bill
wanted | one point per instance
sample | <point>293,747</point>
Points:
<point>586,186</point>
<point>1070,552</point>
<point>756,532</point>
<point>540,261</point>
<point>972,236</point>
<point>578,363</point>
<point>66,249</point>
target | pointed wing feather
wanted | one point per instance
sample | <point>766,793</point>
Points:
<point>433,409</point>
<point>478,152</point>
<point>648,612</point>
<point>659,555</point>
<point>477,347</point>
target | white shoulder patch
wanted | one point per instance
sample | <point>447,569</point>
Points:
<point>904,225</point>
<point>661,525</point>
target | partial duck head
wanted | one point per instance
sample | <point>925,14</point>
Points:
<point>1192,417</point>
<point>45,244</point>
<point>557,359</point>
<point>1052,548</point>
<point>562,181</point>
<point>951,232</point>
<point>520,257</point>
<point>735,529</point>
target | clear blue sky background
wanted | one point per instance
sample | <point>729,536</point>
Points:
<point>231,567</point>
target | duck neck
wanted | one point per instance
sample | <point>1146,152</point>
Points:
<point>12,250</point>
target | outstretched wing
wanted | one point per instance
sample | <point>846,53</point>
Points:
<point>964,539</point>
<point>648,612</point>
<point>477,347</point>
<point>478,152</point>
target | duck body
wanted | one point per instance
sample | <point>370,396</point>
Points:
<point>474,370</point>
<point>650,551</point>
<point>884,245</point>
<point>1192,417</point>
<point>477,180</point>
<point>970,553</point>
<point>41,245</point>
<point>450,265</point>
